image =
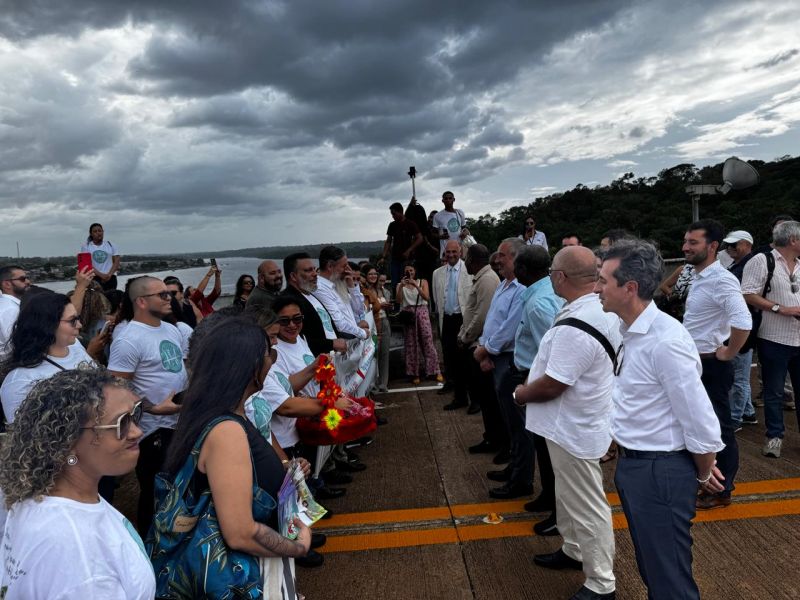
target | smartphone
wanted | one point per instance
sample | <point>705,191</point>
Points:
<point>84,261</point>
<point>214,262</point>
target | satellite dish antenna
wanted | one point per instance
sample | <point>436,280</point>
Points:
<point>736,175</point>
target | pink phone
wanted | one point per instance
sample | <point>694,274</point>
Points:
<point>84,261</point>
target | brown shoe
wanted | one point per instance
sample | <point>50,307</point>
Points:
<point>709,502</point>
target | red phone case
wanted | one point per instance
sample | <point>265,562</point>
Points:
<point>84,261</point>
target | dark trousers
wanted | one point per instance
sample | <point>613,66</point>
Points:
<point>481,387</point>
<point>152,452</point>
<point>718,380</point>
<point>658,496</point>
<point>453,356</point>
<point>506,381</point>
<point>776,360</point>
<point>111,284</point>
<point>396,273</point>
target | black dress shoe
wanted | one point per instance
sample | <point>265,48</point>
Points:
<point>586,594</point>
<point>501,475</point>
<point>446,388</point>
<point>511,491</point>
<point>310,560</point>
<point>454,405</point>
<point>547,527</point>
<point>502,457</point>
<point>350,466</point>
<point>318,540</point>
<point>474,409</point>
<point>540,504</point>
<point>335,477</point>
<point>557,560</point>
<point>483,447</point>
<point>328,493</point>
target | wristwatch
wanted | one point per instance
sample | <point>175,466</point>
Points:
<point>775,308</point>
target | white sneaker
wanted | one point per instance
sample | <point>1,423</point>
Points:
<point>772,448</point>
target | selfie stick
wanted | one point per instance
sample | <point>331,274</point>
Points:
<point>412,172</point>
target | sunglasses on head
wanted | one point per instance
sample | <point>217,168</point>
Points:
<point>296,319</point>
<point>124,421</point>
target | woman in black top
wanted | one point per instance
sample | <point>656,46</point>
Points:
<point>230,366</point>
<point>244,285</point>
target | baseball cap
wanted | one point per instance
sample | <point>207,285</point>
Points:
<point>737,236</point>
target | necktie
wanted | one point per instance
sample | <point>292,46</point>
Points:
<point>451,298</point>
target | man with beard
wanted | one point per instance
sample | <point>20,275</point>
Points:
<point>716,313</point>
<point>338,297</point>
<point>270,282</point>
<point>301,283</point>
<point>14,282</point>
<point>148,353</point>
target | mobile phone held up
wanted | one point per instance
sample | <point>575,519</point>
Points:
<point>84,261</point>
<point>214,262</point>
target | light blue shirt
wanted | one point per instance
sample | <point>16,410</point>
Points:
<point>540,305</point>
<point>503,317</point>
<point>451,291</point>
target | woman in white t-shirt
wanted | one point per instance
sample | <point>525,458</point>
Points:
<point>44,342</point>
<point>62,540</point>
<point>105,257</point>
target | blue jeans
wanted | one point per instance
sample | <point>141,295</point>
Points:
<point>741,395</point>
<point>776,360</point>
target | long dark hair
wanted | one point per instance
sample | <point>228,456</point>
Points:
<point>227,361</point>
<point>92,226</point>
<point>240,284</point>
<point>35,330</point>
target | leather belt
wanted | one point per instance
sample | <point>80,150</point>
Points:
<point>649,454</point>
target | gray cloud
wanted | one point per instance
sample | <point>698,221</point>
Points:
<point>778,59</point>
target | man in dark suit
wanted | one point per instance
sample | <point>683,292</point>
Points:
<point>318,327</point>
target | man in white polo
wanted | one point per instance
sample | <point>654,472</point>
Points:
<point>568,400</point>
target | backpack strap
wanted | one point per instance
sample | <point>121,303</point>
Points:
<point>184,477</point>
<point>586,328</point>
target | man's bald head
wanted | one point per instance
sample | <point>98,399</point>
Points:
<point>577,262</point>
<point>270,276</point>
<point>452,252</point>
<point>141,286</point>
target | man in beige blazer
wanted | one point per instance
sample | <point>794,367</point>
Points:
<point>451,287</point>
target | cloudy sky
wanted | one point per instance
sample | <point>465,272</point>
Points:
<point>189,125</point>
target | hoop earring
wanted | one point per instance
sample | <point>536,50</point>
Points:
<point>72,460</point>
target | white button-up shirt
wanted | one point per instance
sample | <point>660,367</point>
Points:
<point>578,420</point>
<point>714,305</point>
<point>9,311</point>
<point>340,311</point>
<point>780,329</point>
<point>660,403</point>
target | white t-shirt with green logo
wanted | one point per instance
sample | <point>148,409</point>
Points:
<point>324,316</point>
<point>102,255</point>
<point>62,549</point>
<point>154,356</point>
<point>277,388</point>
<point>453,222</point>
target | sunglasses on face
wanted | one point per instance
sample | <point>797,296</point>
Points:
<point>72,321</point>
<point>163,295</point>
<point>296,319</point>
<point>124,421</point>
<point>21,278</point>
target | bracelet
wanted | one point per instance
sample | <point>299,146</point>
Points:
<point>704,481</point>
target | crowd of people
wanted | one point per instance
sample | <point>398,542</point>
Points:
<point>569,356</point>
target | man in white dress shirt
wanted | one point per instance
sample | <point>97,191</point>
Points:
<point>568,402</point>
<point>451,287</point>
<point>662,419</point>
<point>332,269</point>
<point>14,282</point>
<point>717,318</point>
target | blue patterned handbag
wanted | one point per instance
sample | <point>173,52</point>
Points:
<point>185,544</point>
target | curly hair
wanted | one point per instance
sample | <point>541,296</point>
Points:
<point>47,426</point>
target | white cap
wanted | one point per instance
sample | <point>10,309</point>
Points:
<point>737,236</point>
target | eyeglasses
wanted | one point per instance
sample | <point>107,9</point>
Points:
<point>163,295</point>
<point>618,360</point>
<point>124,421</point>
<point>551,271</point>
<point>21,278</point>
<point>247,283</point>
<point>296,319</point>
<point>72,321</point>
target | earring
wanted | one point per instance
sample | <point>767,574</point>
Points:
<point>72,460</point>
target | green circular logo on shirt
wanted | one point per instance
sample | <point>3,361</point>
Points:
<point>284,382</point>
<point>99,256</point>
<point>326,320</point>
<point>308,359</point>
<point>171,358</point>
<point>453,225</point>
